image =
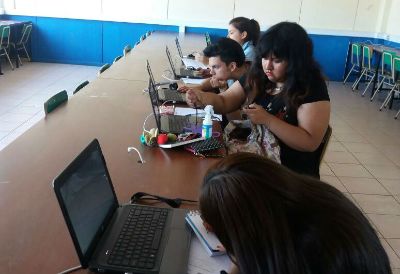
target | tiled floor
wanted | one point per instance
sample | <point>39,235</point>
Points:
<point>24,90</point>
<point>362,159</point>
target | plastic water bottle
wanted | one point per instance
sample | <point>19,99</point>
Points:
<point>206,130</point>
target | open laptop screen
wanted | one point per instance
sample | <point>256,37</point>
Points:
<point>87,198</point>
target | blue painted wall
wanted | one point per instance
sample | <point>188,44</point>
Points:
<point>91,42</point>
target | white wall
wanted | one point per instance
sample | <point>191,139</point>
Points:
<point>1,7</point>
<point>341,17</point>
<point>393,20</point>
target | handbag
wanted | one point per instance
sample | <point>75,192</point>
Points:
<point>244,136</point>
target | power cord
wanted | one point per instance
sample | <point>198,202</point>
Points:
<point>70,270</point>
<point>175,203</point>
<point>130,149</point>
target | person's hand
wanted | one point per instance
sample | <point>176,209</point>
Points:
<point>205,73</point>
<point>192,98</point>
<point>183,89</point>
<point>215,83</point>
<point>257,114</point>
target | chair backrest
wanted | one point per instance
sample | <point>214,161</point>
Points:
<point>355,54</point>
<point>324,143</point>
<point>4,36</point>
<point>366,57</point>
<point>396,68</point>
<point>81,86</point>
<point>387,62</point>
<point>54,101</point>
<point>127,49</point>
<point>117,58</point>
<point>208,39</point>
<point>26,32</point>
<point>104,68</point>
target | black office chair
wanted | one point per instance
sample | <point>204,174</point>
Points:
<point>55,101</point>
<point>81,86</point>
<point>21,44</point>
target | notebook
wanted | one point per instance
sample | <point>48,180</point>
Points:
<point>169,123</point>
<point>208,239</point>
<point>188,60</point>
<point>184,73</point>
<point>109,237</point>
<point>165,94</point>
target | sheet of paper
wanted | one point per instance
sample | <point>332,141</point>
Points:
<point>192,81</point>
<point>201,263</point>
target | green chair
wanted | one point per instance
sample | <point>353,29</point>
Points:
<point>355,60</point>
<point>54,101</point>
<point>103,68</point>
<point>396,83</point>
<point>5,43</point>
<point>385,72</point>
<point>81,86</point>
<point>21,44</point>
<point>367,70</point>
<point>117,58</point>
<point>127,49</point>
<point>208,38</point>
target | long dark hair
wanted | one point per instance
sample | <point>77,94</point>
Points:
<point>274,221</point>
<point>290,42</point>
<point>251,26</point>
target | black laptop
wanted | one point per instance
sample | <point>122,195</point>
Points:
<point>170,123</point>
<point>166,94</point>
<point>109,237</point>
<point>184,72</point>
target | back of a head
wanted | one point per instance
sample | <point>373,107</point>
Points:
<point>227,50</point>
<point>251,26</point>
<point>275,221</point>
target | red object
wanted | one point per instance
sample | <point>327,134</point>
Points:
<point>162,138</point>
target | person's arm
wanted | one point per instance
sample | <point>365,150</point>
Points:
<point>223,103</point>
<point>313,119</point>
<point>207,84</point>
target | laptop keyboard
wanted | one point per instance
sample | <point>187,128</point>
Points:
<point>139,239</point>
<point>178,123</point>
<point>173,95</point>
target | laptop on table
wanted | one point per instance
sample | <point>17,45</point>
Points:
<point>188,60</point>
<point>184,73</point>
<point>166,94</point>
<point>115,238</point>
<point>170,123</point>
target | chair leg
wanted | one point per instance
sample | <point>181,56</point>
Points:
<point>9,60</point>
<point>355,84</point>
<point>378,88</point>
<point>397,114</point>
<point>348,74</point>
<point>26,52</point>
<point>387,99</point>
<point>369,83</point>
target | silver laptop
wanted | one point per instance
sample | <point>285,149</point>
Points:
<point>109,237</point>
<point>166,94</point>
<point>189,72</point>
<point>188,60</point>
<point>171,123</point>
